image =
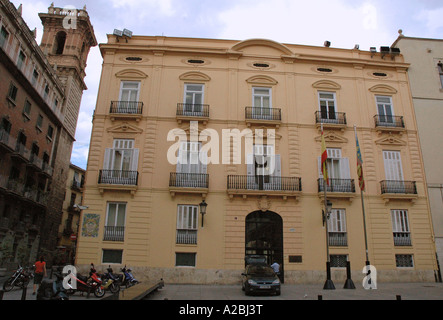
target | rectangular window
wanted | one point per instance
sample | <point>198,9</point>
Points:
<point>46,92</point>
<point>440,72</point>
<point>187,220</point>
<point>121,163</point>
<point>50,132</point>
<point>404,261</point>
<point>193,98</point>
<point>400,228</point>
<point>39,121</point>
<point>4,35</point>
<point>129,91</point>
<point>115,222</point>
<point>393,168</point>
<point>189,158</point>
<point>385,110</point>
<point>184,259</point>
<point>12,93</point>
<point>327,106</point>
<point>112,256</point>
<point>27,108</point>
<point>34,77</point>
<point>338,260</point>
<point>21,60</point>
<point>337,228</point>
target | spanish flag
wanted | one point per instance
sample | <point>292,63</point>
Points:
<point>361,181</point>
<point>324,158</point>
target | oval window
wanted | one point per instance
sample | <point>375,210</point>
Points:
<point>324,69</point>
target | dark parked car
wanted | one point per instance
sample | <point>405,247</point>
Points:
<point>260,278</point>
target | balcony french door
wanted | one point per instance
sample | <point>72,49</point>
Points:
<point>262,103</point>
<point>327,107</point>
<point>191,165</point>
<point>193,100</point>
<point>385,112</point>
<point>129,95</point>
<point>121,163</point>
<point>264,169</point>
<point>393,172</point>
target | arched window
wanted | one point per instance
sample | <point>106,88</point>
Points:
<point>59,44</point>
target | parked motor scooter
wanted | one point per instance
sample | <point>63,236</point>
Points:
<point>128,279</point>
<point>93,283</point>
<point>110,281</point>
<point>20,279</point>
<point>52,289</point>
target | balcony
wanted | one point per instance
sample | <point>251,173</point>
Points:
<point>188,183</point>
<point>123,180</point>
<point>337,188</point>
<point>402,239</point>
<point>113,233</point>
<point>21,153</point>
<point>126,110</point>
<point>192,112</point>
<point>35,162</point>
<point>18,188</point>
<point>265,116</point>
<point>6,141</point>
<point>47,170</point>
<point>389,123</point>
<point>186,236</point>
<point>398,190</point>
<point>338,239</point>
<point>263,186</point>
<point>331,120</point>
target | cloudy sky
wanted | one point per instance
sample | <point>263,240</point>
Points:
<point>342,22</point>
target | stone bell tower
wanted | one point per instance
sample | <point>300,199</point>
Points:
<point>67,38</point>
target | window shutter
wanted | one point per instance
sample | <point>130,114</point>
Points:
<point>277,164</point>
<point>203,161</point>
<point>107,159</point>
<point>182,153</point>
<point>344,169</point>
<point>250,165</point>
<point>134,160</point>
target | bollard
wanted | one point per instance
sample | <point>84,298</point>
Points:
<point>1,294</point>
<point>398,297</point>
<point>320,297</point>
<point>25,288</point>
<point>349,284</point>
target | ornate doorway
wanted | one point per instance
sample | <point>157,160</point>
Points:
<point>264,236</point>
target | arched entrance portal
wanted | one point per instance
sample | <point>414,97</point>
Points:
<point>264,236</point>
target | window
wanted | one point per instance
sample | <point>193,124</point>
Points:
<point>404,261</point>
<point>440,72</point>
<point>21,60</point>
<point>193,97</point>
<point>55,104</point>
<point>115,222</point>
<point>27,108</point>
<point>121,163</point>
<point>187,219</point>
<point>337,228</point>
<point>4,35</point>
<point>112,256</point>
<point>261,98</point>
<point>184,259</point>
<point>264,168</point>
<point>338,260</point>
<point>39,121</point>
<point>327,106</point>
<point>393,168</point>
<point>385,110</point>
<point>46,92</point>
<point>12,93</point>
<point>338,167</point>
<point>50,132</point>
<point>400,228</point>
<point>59,44</point>
<point>129,91</point>
<point>189,159</point>
<point>34,77</point>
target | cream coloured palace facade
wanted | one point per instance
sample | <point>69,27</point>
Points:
<point>237,125</point>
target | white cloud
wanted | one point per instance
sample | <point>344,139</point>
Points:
<point>305,22</point>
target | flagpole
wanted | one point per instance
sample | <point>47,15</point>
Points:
<point>363,210</point>
<point>329,285</point>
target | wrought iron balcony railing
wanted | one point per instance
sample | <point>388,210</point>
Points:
<point>338,239</point>
<point>330,117</point>
<point>398,186</point>
<point>118,177</point>
<point>126,107</point>
<point>192,110</point>
<point>113,233</point>
<point>337,185</point>
<point>389,121</point>
<point>189,180</point>
<point>186,236</point>
<point>402,239</point>
<point>271,183</point>
<point>257,113</point>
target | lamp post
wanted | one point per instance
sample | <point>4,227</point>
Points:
<point>329,285</point>
<point>203,206</point>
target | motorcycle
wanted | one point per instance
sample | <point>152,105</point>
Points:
<point>20,279</point>
<point>93,283</point>
<point>52,289</point>
<point>128,279</point>
<point>110,281</point>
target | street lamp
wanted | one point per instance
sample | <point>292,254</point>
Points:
<point>329,285</point>
<point>203,206</point>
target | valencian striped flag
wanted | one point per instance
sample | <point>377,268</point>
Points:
<point>361,180</point>
<point>324,158</point>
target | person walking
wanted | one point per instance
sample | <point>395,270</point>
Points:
<point>40,272</point>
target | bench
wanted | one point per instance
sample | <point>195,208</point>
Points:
<point>138,291</point>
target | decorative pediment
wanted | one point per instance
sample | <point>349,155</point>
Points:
<point>124,128</point>
<point>194,76</point>
<point>262,79</point>
<point>131,74</point>
<point>332,137</point>
<point>391,141</point>
<point>383,89</point>
<point>262,43</point>
<point>326,84</point>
